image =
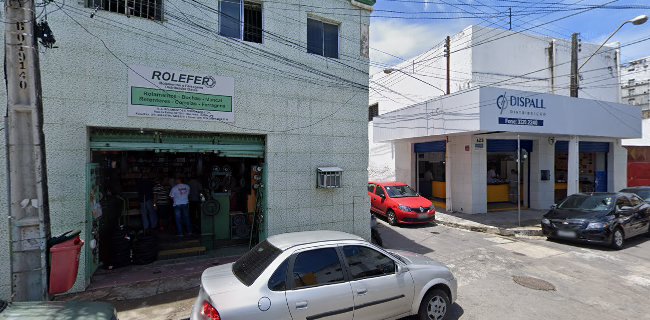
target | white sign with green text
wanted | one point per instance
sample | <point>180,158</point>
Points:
<point>162,93</point>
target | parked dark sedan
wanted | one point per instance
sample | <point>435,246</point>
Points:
<point>603,218</point>
<point>642,192</point>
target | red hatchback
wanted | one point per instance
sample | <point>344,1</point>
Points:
<point>399,203</point>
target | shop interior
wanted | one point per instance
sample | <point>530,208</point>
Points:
<point>431,176</point>
<point>593,173</point>
<point>503,178</point>
<point>223,204</point>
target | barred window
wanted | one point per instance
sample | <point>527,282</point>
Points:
<point>149,9</point>
<point>241,20</point>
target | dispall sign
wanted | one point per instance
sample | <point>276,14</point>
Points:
<point>163,93</point>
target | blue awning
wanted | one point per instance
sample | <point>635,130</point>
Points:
<point>503,145</point>
<point>432,146</point>
<point>585,146</point>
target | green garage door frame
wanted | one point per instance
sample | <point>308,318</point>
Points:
<point>226,145</point>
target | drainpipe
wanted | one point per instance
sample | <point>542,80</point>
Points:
<point>551,62</point>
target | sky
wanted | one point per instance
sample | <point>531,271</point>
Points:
<point>410,34</point>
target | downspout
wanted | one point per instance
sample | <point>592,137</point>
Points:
<point>551,62</point>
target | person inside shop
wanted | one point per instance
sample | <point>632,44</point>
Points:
<point>162,203</point>
<point>195,200</point>
<point>492,176</point>
<point>148,212</point>
<point>180,195</point>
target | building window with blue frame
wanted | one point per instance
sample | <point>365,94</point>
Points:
<point>241,19</point>
<point>322,38</point>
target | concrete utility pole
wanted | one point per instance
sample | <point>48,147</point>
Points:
<point>29,221</point>
<point>448,55</point>
<point>574,65</point>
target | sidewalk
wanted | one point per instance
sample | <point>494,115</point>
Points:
<point>503,223</point>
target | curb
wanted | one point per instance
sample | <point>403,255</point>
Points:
<point>494,230</point>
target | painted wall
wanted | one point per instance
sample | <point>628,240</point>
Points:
<point>309,120</point>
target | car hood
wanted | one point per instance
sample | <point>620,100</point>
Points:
<point>414,260</point>
<point>413,202</point>
<point>220,280</point>
<point>58,311</point>
<point>575,214</point>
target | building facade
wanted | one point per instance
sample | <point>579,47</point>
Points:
<point>635,85</point>
<point>471,152</point>
<point>246,98</point>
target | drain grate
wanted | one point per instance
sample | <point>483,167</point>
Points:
<point>435,232</point>
<point>533,283</point>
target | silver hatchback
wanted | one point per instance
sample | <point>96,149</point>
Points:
<point>325,275</point>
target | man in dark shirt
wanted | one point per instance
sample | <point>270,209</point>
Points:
<point>145,195</point>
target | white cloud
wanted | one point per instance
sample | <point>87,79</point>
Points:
<point>405,39</point>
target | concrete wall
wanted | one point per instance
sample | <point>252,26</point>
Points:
<point>5,262</point>
<point>460,175</point>
<point>84,85</point>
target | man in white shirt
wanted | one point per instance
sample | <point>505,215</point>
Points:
<point>180,195</point>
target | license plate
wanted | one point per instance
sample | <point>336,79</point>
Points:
<point>566,234</point>
<point>422,215</point>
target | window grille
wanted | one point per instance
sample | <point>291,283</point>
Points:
<point>329,177</point>
<point>373,111</point>
<point>148,9</point>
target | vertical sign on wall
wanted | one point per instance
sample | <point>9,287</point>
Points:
<point>163,93</point>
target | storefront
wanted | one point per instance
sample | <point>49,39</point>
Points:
<point>498,147</point>
<point>223,171</point>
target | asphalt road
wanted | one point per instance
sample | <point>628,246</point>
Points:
<point>590,282</point>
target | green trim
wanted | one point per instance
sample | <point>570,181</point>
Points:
<point>367,2</point>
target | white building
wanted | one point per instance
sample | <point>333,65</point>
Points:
<point>515,86</point>
<point>248,94</point>
<point>635,84</point>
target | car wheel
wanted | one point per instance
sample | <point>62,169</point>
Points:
<point>618,239</point>
<point>434,306</point>
<point>392,219</point>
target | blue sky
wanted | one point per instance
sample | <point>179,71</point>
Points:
<point>408,37</point>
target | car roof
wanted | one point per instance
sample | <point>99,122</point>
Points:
<point>636,188</point>
<point>287,240</point>
<point>390,183</point>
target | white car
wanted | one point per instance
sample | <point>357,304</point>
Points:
<point>325,275</point>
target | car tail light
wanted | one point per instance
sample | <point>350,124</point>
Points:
<point>209,312</point>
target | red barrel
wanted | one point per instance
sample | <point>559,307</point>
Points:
<point>64,265</point>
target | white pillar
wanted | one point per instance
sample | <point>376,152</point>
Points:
<point>542,192</point>
<point>616,167</point>
<point>404,163</point>
<point>478,173</point>
<point>573,174</point>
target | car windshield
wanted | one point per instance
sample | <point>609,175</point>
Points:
<point>644,194</point>
<point>588,202</point>
<point>254,262</point>
<point>400,191</point>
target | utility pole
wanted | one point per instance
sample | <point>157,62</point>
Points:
<point>574,65</point>
<point>29,220</point>
<point>448,55</point>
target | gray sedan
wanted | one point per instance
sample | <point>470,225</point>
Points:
<point>325,275</point>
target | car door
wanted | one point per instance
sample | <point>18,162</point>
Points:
<point>381,201</point>
<point>639,220</point>
<point>380,292</point>
<point>318,286</point>
<point>625,215</point>
<point>373,197</point>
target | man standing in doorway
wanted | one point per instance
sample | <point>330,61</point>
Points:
<point>145,195</point>
<point>180,193</point>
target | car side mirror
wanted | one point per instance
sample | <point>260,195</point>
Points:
<point>401,269</point>
<point>383,196</point>
<point>553,206</point>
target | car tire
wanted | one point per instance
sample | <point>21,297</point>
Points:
<point>434,306</point>
<point>390,216</point>
<point>618,239</point>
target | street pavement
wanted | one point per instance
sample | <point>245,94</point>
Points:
<point>590,282</point>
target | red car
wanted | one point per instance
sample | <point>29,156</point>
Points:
<point>399,203</point>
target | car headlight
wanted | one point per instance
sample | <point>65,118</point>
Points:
<point>432,208</point>
<point>404,208</point>
<point>546,221</point>
<point>597,225</point>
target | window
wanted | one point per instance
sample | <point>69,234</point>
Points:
<point>278,281</point>
<point>635,201</point>
<point>622,202</point>
<point>241,20</point>
<point>371,187</point>
<point>322,38</point>
<point>149,9</point>
<point>366,263</point>
<point>329,177</point>
<point>631,101</point>
<point>373,111</point>
<point>630,82</point>
<point>630,91</point>
<point>317,267</point>
<point>254,262</point>
<point>379,191</point>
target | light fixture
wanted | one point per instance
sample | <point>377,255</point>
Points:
<point>639,20</point>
